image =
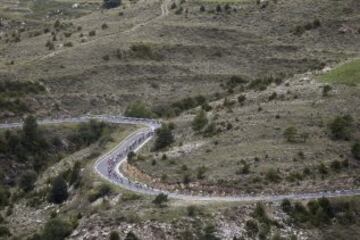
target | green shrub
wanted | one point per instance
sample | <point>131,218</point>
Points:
<point>286,205</point>
<point>164,138</point>
<point>130,196</point>
<point>27,180</point>
<point>341,127</point>
<point>138,109</point>
<point>4,232</point>
<point>199,121</point>
<point>291,134</point>
<point>92,33</point>
<point>209,233</point>
<point>56,229</point>
<point>160,199</point>
<point>355,150</point>
<point>114,235</point>
<point>251,228</point>
<point>4,197</point>
<point>59,190</point>
<point>273,176</point>
<point>101,191</point>
<point>68,44</point>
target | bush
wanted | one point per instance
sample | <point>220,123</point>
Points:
<point>101,191</point>
<point>341,127</point>
<point>4,197</point>
<point>251,228</point>
<point>164,137</point>
<point>326,90</point>
<point>286,205</point>
<point>273,176</point>
<point>104,26</point>
<point>199,121</point>
<point>59,190</point>
<point>114,235</point>
<point>92,33</point>
<point>160,199</point>
<point>355,150</point>
<point>138,109</point>
<point>290,134</point>
<point>56,229</point>
<point>68,44</point>
<point>4,232</point>
<point>75,174</point>
<point>209,233</point>
<point>144,51</point>
<point>27,180</point>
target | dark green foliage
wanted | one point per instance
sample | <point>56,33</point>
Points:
<point>27,180</point>
<point>131,236</point>
<point>56,229</point>
<point>286,205</point>
<point>273,176</point>
<point>160,199</point>
<point>199,121</point>
<point>4,232</point>
<point>341,127</point>
<point>75,174</point>
<point>174,109</point>
<point>101,191</point>
<point>322,169</point>
<point>111,3</point>
<point>88,133</point>
<point>355,150</point>
<point>59,190</point>
<point>210,130</point>
<point>241,99</point>
<point>200,172</point>
<point>164,137</point>
<point>318,212</point>
<point>131,157</point>
<point>114,235</point>
<point>138,109</point>
<point>209,233</point>
<point>20,88</point>
<point>261,84</point>
<point>4,197</point>
<point>144,51</point>
<point>251,228</point>
<point>290,134</point>
<point>326,90</point>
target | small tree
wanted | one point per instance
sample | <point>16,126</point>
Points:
<point>27,180</point>
<point>160,199</point>
<point>114,235</point>
<point>164,137</point>
<point>341,127</point>
<point>30,128</point>
<point>251,228</point>
<point>356,150</point>
<point>199,121</point>
<point>58,191</point>
<point>56,229</point>
<point>290,134</point>
<point>209,233</point>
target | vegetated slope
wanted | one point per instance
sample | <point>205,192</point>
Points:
<point>107,63</point>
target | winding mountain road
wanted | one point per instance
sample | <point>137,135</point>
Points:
<point>108,166</point>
